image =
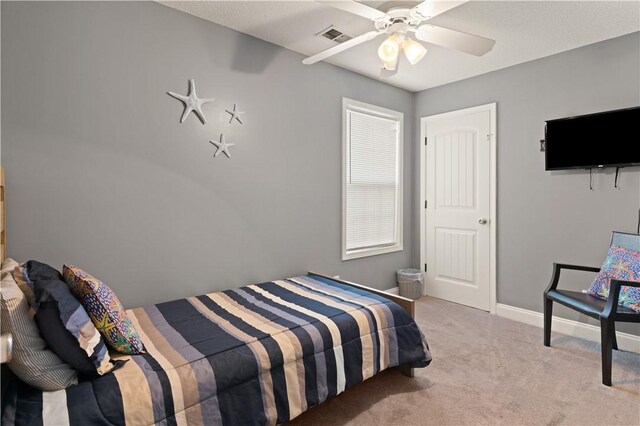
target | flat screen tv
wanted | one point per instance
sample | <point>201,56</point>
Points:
<point>604,139</point>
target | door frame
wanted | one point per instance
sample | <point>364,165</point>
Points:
<point>492,108</point>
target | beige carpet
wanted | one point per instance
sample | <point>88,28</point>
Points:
<point>490,370</point>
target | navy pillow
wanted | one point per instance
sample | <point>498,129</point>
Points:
<point>63,322</point>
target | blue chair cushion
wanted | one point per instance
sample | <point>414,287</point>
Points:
<point>628,241</point>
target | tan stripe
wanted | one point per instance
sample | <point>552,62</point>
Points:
<point>137,402</point>
<point>376,308</point>
<point>172,375</point>
<point>89,337</point>
<point>331,326</point>
<point>360,317</point>
<point>303,393</point>
<point>259,352</point>
<point>184,371</point>
<point>372,304</point>
<point>54,408</point>
<point>288,342</point>
<point>379,313</point>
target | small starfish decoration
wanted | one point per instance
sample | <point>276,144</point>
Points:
<point>192,102</point>
<point>235,114</point>
<point>222,146</point>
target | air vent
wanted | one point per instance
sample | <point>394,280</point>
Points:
<point>333,34</point>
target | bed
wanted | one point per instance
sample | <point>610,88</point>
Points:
<point>259,354</point>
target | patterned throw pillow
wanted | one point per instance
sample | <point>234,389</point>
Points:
<point>105,310</point>
<point>31,358</point>
<point>63,322</point>
<point>622,264</point>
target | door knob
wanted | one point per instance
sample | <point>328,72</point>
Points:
<point>483,221</point>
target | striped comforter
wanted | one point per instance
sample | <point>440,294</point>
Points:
<point>260,354</point>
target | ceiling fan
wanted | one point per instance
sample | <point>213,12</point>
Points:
<point>400,22</point>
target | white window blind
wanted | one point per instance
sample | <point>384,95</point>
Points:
<point>372,186</point>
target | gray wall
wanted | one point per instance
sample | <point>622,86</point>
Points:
<point>101,174</point>
<point>545,217</point>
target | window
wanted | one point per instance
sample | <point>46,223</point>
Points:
<point>371,180</point>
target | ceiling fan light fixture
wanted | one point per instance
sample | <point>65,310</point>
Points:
<point>389,49</point>
<point>413,51</point>
<point>391,65</point>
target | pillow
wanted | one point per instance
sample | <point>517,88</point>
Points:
<point>63,322</point>
<point>105,310</point>
<point>621,264</point>
<point>31,360</point>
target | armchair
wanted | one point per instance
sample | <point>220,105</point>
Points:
<point>608,312</point>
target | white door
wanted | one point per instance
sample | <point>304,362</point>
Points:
<point>458,206</point>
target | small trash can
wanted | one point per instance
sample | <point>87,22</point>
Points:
<point>410,283</point>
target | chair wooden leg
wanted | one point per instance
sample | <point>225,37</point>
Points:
<point>606,342</point>
<point>548,308</point>
<point>613,336</point>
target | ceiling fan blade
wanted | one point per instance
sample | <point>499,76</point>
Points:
<point>457,40</point>
<point>431,8</point>
<point>342,47</point>
<point>356,8</point>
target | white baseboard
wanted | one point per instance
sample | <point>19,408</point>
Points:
<point>392,290</point>
<point>626,342</point>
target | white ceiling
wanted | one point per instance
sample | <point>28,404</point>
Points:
<point>523,30</point>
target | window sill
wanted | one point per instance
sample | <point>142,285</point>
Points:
<point>357,254</point>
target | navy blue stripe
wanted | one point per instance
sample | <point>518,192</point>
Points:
<point>400,316</point>
<point>272,348</point>
<point>373,324</point>
<point>348,288</point>
<point>310,381</point>
<point>28,406</point>
<point>306,343</point>
<point>322,328</point>
<point>242,405</point>
<point>100,402</point>
<point>167,393</point>
<point>233,363</point>
<point>204,335</point>
<point>347,325</point>
<point>409,338</point>
<point>301,334</point>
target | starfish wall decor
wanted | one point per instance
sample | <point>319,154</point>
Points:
<point>222,145</point>
<point>235,114</point>
<point>192,102</point>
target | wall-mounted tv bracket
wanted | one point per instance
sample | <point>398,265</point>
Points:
<point>543,145</point>
<point>615,182</point>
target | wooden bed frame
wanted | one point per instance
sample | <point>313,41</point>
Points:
<point>407,304</point>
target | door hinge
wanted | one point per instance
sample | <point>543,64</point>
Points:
<point>425,267</point>
<point>425,204</point>
<point>425,141</point>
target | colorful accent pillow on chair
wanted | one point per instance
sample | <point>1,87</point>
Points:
<point>63,322</point>
<point>105,310</point>
<point>621,264</point>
